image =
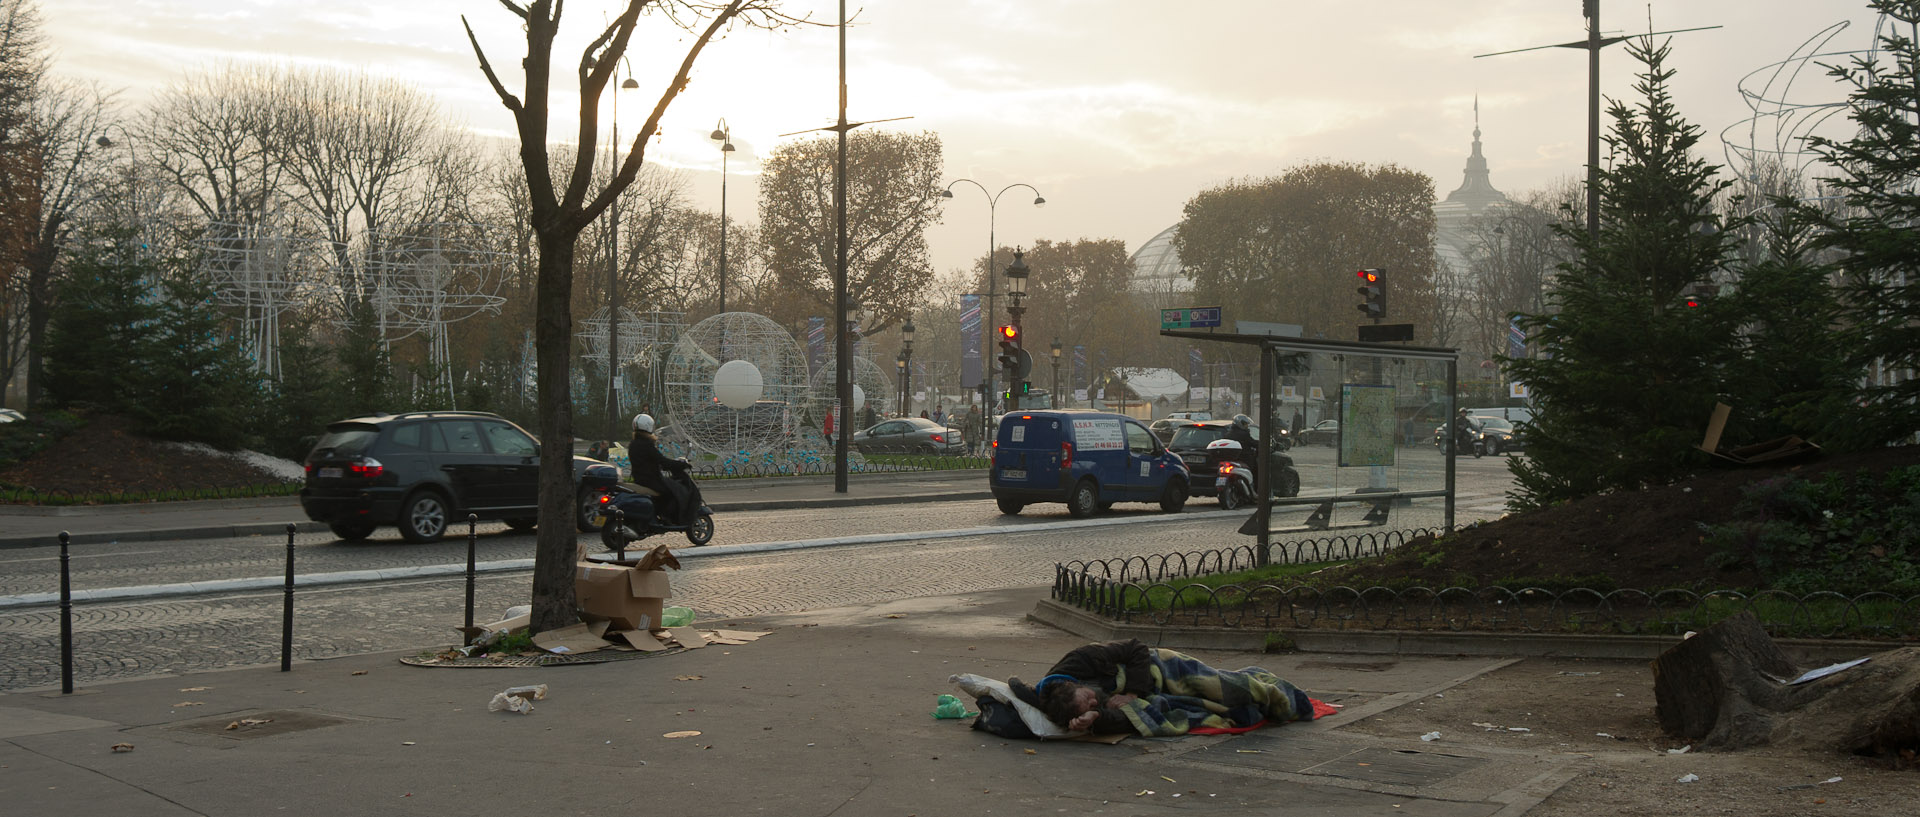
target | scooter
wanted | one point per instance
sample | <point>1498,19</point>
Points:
<point>1234,479</point>
<point>628,513</point>
<point>1467,439</point>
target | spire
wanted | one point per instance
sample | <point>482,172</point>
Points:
<point>1476,190</point>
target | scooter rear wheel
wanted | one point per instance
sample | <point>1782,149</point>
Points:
<point>701,531</point>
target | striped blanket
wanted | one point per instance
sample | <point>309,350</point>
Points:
<point>1194,696</point>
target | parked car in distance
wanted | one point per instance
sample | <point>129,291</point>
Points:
<point>1190,441</point>
<point>1325,432</point>
<point>1086,459</point>
<point>909,435</point>
<point>423,470</point>
<point>1163,427</point>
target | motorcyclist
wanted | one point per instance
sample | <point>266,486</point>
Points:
<point>1242,432</point>
<point>1463,431</point>
<point>648,463</point>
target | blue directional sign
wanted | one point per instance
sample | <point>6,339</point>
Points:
<point>1192,317</point>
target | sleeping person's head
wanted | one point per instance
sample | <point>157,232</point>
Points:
<point>1062,701</point>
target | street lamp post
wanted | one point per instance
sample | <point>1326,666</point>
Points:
<point>993,203</point>
<point>906,365</point>
<point>900,365</point>
<point>1016,307</point>
<point>724,135</point>
<point>613,274</point>
<point>1054,388</point>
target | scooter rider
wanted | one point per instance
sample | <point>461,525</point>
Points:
<point>1242,432</point>
<point>644,454</point>
<point>1463,431</point>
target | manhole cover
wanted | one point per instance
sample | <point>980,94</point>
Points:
<point>260,724</point>
<point>1400,767</point>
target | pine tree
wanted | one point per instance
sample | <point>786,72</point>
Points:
<point>1628,372</point>
<point>1790,375</point>
<point>103,326</point>
<point>1877,234</point>
<point>198,383</point>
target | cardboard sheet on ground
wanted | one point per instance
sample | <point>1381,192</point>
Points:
<point>566,640</point>
<point>688,637</point>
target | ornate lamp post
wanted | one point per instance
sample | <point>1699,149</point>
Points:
<point>1055,388</point>
<point>724,135</point>
<point>993,203</point>
<point>613,273</point>
<point>906,365</point>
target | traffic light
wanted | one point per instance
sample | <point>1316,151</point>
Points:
<point>1373,287</point>
<point>1009,347</point>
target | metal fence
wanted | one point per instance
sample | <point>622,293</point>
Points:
<point>1151,589</point>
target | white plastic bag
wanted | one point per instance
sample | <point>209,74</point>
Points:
<point>1036,721</point>
<point>517,699</point>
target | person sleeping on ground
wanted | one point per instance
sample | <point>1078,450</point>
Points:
<point>1128,687</point>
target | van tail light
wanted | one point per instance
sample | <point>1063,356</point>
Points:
<point>366,468</point>
<point>1066,454</point>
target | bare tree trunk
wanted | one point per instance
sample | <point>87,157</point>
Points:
<point>553,598</point>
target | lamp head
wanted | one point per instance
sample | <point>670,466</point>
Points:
<point>629,84</point>
<point>945,194</point>
<point>1039,202</point>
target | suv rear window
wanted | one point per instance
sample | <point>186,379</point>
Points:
<point>346,441</point>
<point>1196,436</point>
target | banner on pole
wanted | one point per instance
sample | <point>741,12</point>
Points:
<point>970,341</point>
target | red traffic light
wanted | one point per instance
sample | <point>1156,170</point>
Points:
<point>1368,275</point>
<point>1007,331</point>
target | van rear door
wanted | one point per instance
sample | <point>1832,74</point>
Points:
<point>1027,453</point>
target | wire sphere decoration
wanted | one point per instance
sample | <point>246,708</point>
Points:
<point>1772,143</point>
<point>439,275</point>
<point>874,389</point>
<point>263,270</point>
<point>737,342</point>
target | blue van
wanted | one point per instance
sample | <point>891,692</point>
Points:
<point>1086,459</point>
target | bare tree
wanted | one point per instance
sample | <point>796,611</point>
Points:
<point>558,217</point>
<point>208,135</point>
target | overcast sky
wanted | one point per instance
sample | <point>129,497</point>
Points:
<point>1118,111</point>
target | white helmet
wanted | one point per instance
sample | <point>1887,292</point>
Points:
<point>643,422</point>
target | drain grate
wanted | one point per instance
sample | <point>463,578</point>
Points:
<point>260,724</point>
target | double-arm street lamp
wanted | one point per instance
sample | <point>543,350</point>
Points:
<point>724,135</point>
<point>993,203</point>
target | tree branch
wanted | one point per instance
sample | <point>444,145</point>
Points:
<point>506,98</point>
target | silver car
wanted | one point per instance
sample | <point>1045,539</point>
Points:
<point>909,435</point>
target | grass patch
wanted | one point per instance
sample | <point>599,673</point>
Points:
<point>29,496</point>
<point>1206,591</point>
<point>1816,618</point>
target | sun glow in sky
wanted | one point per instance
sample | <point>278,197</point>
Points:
<point>1118,111</point>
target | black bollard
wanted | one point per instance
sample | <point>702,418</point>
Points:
<point>286,609</point>
<point>66,618</point>
<point>472,520</point>
<point>620,534</point>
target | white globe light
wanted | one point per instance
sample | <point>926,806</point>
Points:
<point>859,397</point>
<point>737,384</point>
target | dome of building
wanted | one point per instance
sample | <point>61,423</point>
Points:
<point>1157,268</point>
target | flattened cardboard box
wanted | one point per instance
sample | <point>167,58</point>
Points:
<point>629,599</point>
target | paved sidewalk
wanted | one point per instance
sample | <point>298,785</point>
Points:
<point>33,526</point>
<point>829,714</point>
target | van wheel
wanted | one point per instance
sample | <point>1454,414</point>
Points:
<point>1008,506</point>
<point>423,517</point>
<point>1174,496</point>
<point>1085,500</point>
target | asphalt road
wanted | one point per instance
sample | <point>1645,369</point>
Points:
<point>799,569</point>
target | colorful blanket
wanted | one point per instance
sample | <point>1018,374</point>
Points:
<point>1193,695</point>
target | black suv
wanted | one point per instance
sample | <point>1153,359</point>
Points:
<point>422,470</point>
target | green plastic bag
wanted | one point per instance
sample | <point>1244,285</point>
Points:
<point>952,707</point>
<point>676,617</point>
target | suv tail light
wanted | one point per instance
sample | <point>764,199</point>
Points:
<point>366,468</point>
<point>1066,454</point>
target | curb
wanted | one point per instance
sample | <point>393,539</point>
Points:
<point>1413,642</point>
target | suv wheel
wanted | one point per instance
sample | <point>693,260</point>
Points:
<point>1085,500</point>
<point>587,506</point>
<point>1174,496</point>
<point>352,531</point>
<point>423,517</point>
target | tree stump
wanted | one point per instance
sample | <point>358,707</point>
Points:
<point>1728,688</point>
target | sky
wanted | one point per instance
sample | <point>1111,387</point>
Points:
<point>1117,111</point>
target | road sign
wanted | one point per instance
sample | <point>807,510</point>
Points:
<point>1192,317</point>
<point>1386,332</point>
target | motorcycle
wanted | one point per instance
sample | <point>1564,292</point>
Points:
<point>1467,439</point>
<point>628,515</point>
<point>1234,478</point>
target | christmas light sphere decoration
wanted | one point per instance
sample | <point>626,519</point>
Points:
<point>711,411</point>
